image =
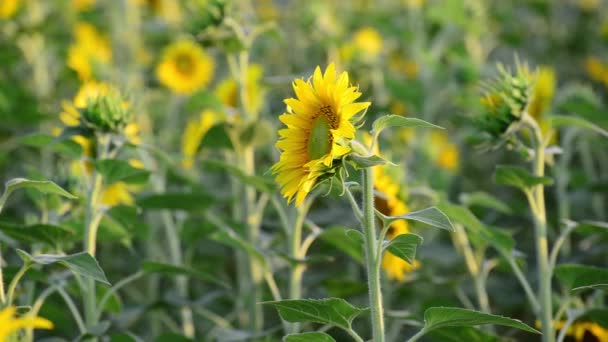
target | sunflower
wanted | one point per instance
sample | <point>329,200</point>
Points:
<point>8,8</point>
<point>228,92</point>
<point>89,50</point>
<point>543,91</point>
<point>444,153</point>
<point>388,203</point>
<point>195,130</point>
<point>317,122</point>
<point>185,67</point>
<point>368,41</point>
<point>10,324</point>
<point>584,331</point>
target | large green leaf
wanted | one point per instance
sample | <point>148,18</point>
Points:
<point>309,337</point>
<point>459,334</point>
<point>80,263</point>
<point>486,200</point>
<point>431,216</point>
<point>42,186</point>
<point>167,269</point>
<point>176,201</point>
<point>518,177</point>
<point>115,170</point>
<point>440,317</point>
<point>398,121</point>
<point>48,234</point>
<point>217,137</point>
<point>404,246</point>
<point>334,311</point>
<point>582,277</point>
<point>342,238</point>
<point>576,121</point>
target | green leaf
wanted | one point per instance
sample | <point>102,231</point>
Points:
<point>80,263</point>
<point>431,216</point>
<point>66,147</point>
<point>346,240</point>
<point>459,334</point>
<point>360,162</point>
<point>115,170</point>
<point>398,121</point>
<point>230,238</point>
<point>217,137</point>
<point>440,317</point>
<point>167,269</point>
<point>404,246</point>
<point>309,337</point>
<point>483,199</point>
<point>48,234</point>
<point>582,277</point>
<point>47,187</point>
<point>334,311</point>
<point>258,133</point>
<point>176,201</point>
<point>518,177</point>
<point>599,316</point>
<point>563,120</point>
<point>260,183</point>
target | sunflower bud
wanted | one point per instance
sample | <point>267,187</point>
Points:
<point>505,100</point>
<point>108,113</point>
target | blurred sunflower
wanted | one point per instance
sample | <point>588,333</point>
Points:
<point>8,8</point>
<point>597,70</point>
<point>317,122</point>
<point>388,203</point>
<point>444,153</point>
<point>228,91</point>
<point>193,135</point>
<point>584,331</point>
<point>11,324</point>
<point>542,93</point>
<point>88,52</point>
<point>185,67</point>
<point>368,42</point>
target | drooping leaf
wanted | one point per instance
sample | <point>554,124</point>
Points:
<point>167,269</point>
<point>80,263</point>
<point>582,277</point>
<point>440,317</point>
<point>217,137</point>
<point>176,201</point>
<point>431,216</point>
<point>518,177</point>
<point>47,187</point>
<point>486,200</point>
<point>398,121</point>
<point>361,162</point>
<point>576,121</point>
<point>342,239</point>
<point>114,170</point>
<point>334,311</point>
<point>404,246</point>
<point>309,337</point>
<point>48,234</point>
<point>459,334</point>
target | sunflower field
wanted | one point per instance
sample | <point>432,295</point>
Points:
<point>304,171</point>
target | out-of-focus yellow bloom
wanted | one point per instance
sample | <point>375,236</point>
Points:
<point>83,5</point>
<point>195,130</point>
<point>588,5</point>
<point>388,203</point>
<point>321,117</point>
<point>228,91</point>
<point>542,94</point>
<point>583,331</point>
<point>185,67</point>
<point>168,10</point>
<point>267,10</point>
<point>597,70</point>
<point>397,107</point>
<point>444,153</point>
<point>116,194</point>
<point>407,67</point>
<point>8,8</point>
<point>346,52</point>
<point>11,324</point>
<point>89,50</point>
<point>368,41</point>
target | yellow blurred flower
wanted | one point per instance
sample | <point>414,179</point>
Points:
<point>11,324</point>
<point>414,3</point>
<point>83,5</point>
<point>228,91</point>
<point>193,135</point>
<point>267,10</point>
<point>542,93</point>
<point>444,153</point>
<point>8,8</point>
<point>407,67</point>
<point>368,41</point>
<point>388,203</point>
<point>588,5</point>
<point>89,50</point>
<point>116,194</point>
<point>584,331</point>
<point>185,67</point>
<point>397,107</point>
<point>168,10</point>
<point>597,70</point>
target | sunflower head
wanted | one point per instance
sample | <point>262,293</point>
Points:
<point>319,125</point>
<point>369,42</point>
<point>505,99</point>
<point>89,51</point>
<point>108,113</point>
<point>185,67</point>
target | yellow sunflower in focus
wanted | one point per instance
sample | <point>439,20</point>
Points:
<point>584,331</point>
<point>193,135</point>
<point>11,324</point>
<point>185,67</point>
<point>228,91</point>
<point>317,120</point>
<point>388,203</point>
<point>8,8</point>
<point>542,95</point>
<point>89,50</point>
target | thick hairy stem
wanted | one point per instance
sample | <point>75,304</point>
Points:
<point>371,245</point>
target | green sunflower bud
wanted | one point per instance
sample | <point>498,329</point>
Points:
<point>505,100</point>
<point>108,113</point>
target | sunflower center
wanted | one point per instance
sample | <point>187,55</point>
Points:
<point>320,139</point>
<point>184,63</point>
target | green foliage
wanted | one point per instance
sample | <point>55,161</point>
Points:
<point>332,311</point>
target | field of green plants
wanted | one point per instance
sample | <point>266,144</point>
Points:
<point>304,171</point>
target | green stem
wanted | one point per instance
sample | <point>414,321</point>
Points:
<point>371,245</point>
<point>417,336</point>
<point>13,285</point>
<point>524,283</point>
<point>295,250</point>
<point>2,293</point>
